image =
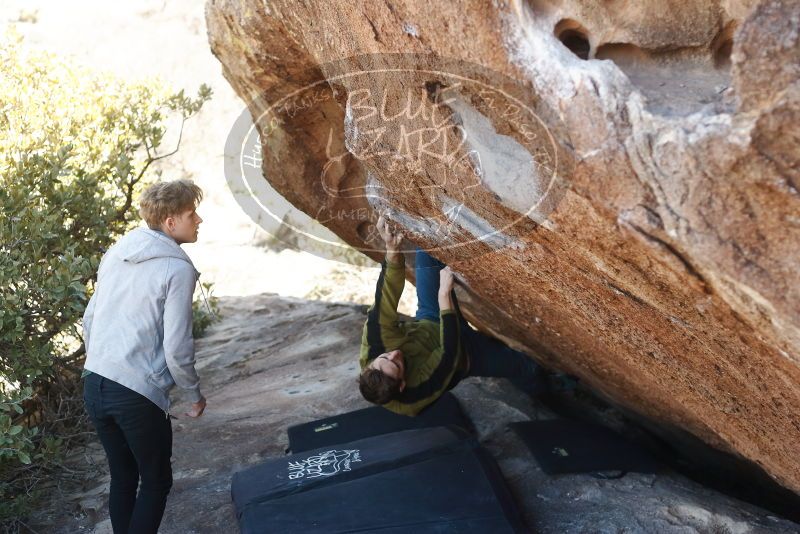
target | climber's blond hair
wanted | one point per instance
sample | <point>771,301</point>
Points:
<point>167,199</point>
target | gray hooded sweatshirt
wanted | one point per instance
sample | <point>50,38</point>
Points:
<point>138,325</point>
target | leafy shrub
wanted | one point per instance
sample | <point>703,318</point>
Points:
<point>205,309</point>
<point>76,148</point>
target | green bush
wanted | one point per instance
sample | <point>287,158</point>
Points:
<point>76,148</point>
<point>205,309</point>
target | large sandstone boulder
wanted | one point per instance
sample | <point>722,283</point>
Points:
<point>616,183</point>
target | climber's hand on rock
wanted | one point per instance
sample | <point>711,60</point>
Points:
<point>446,280</point>
<point>445,287</point>
<point>391,238</point>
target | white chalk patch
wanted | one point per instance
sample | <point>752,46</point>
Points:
<point>410,29</point>
<point>504,166</point>
<point>476,226</point>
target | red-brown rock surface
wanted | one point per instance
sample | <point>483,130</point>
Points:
<point>659,258</point>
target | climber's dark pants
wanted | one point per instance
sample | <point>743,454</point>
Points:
<point>487,355</point>
<point>491,357</point>
<point>137,437</point>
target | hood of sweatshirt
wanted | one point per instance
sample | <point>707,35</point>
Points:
<point>143,244</point>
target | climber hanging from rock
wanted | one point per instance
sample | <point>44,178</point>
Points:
<point>407,365</point>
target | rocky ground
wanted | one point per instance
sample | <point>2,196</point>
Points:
<point>273,361</point>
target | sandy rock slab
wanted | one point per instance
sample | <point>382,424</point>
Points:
<point>615,183</point>
<point>273,362</point>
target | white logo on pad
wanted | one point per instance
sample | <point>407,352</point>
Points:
<point>324,464</point>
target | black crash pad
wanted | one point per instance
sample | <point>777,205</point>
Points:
<point>422,480</point>
<point>373,421</point>
<point>567,446</point>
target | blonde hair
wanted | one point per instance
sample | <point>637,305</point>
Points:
<point>165,199</point>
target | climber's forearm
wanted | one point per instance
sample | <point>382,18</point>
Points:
<point>394,256</point>
<point>445,301</point>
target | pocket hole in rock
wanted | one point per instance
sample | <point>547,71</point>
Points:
<point>722,46</point>
<point>574,37</point>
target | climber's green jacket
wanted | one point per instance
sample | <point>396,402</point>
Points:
<point>434,357</point>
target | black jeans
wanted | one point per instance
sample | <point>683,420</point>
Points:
<point>137,437</point>
<point>491,357</point>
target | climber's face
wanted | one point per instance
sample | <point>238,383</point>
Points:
<point>183,228</point>
<point>391,364</point>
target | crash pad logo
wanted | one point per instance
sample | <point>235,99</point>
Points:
<point>324,464</point>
